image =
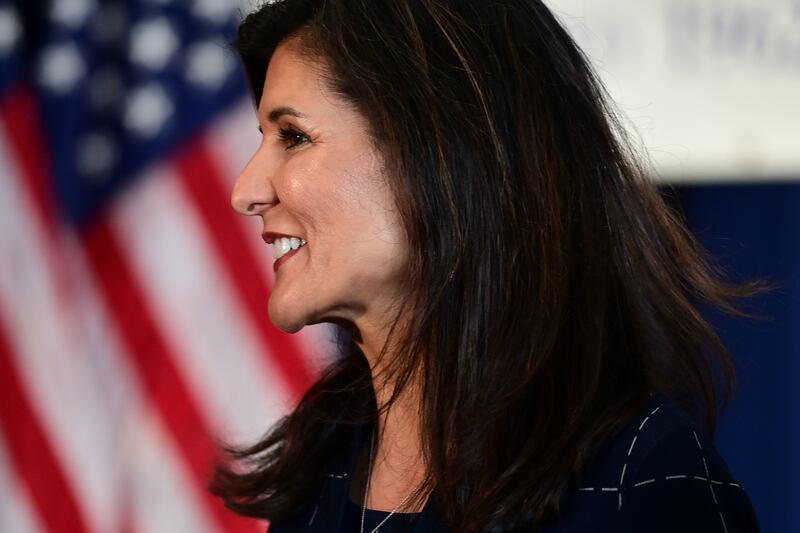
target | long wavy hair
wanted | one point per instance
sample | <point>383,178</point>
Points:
<point>550,286</point>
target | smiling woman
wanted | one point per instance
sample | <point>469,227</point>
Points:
<point>520,343</point>
<point>317,178</point>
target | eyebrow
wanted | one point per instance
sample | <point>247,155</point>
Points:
<point>280,111</point>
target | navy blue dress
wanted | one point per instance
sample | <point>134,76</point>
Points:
<point>659,474</point>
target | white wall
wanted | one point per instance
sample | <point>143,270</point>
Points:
<point>712,86</point>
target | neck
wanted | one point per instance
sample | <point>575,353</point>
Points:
<point>397,467</point>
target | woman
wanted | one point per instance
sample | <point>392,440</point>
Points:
<point>520,343</point>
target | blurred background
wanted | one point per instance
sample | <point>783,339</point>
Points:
<point>133,323</point>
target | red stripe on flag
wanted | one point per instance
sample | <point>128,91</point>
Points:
<point>20,116</point>
<point>31,452</point>
<point>200,176</point>
<point>158,374</point>
<point>19,112</point>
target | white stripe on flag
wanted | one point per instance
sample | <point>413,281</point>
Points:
<point>235,138</point>
<point>160,493</point>
<point>145,465</point>
<point>16,512</point>
<point>190,295</point>
<point>58,374</point>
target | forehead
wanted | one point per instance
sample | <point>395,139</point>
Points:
<point>291,78</point>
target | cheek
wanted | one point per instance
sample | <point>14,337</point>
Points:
<point>341,195</point>
<point>310,195</point>
<point>381,244</point>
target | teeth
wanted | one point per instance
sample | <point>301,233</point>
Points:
<point>281,246</point>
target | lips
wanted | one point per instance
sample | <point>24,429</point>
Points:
<point>270,236</point>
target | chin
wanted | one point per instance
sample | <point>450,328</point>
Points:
<point>284,320</point>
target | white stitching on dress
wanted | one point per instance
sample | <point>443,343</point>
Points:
<point>666,478</point>
<point>338,476</point>
<point>632,443</point>
<point>710,485</point>
<point>313,515</point>
<point>630,449</point>
<point>706,479</point>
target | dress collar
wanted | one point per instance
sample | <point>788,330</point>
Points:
<point>339,483</point>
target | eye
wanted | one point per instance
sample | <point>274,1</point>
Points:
<point>292,137</point>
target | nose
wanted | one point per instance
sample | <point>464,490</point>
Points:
<point>253,192</point>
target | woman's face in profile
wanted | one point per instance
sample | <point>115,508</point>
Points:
<point>317,177</point>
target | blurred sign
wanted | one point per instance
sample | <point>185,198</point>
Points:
<point>712,87</point>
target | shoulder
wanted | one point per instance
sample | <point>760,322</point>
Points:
<point>661,472</point>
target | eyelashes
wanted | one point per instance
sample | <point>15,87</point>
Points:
<point>292,138</point>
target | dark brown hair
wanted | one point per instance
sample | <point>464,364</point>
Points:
<point>550,287</point>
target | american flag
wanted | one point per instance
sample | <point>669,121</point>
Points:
<point>133,300</point>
